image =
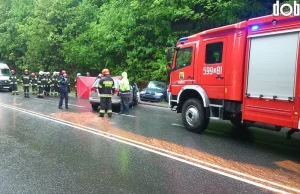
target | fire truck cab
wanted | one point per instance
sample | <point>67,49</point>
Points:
<point>246,73</point>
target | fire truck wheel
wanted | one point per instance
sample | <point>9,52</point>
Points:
<point>193,116</point>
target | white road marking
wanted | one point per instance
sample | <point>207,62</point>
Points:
<point>164,152</point>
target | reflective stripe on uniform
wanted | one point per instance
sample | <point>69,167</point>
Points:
<point>106,95</point>
<point>102,111</point>
<point>109,111</point>
<point>108,83</point>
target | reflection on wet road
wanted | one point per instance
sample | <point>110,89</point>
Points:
<point>79,147</point>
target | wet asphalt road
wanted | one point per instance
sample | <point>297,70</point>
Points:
<point>44,156</point>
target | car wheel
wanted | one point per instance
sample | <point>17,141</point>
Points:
<point>95,107</point>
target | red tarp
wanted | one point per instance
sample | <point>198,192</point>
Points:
<point>84,85</point>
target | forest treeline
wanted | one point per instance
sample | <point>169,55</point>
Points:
<point>89,35</point>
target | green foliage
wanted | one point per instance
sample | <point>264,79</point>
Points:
<point>122,35</point>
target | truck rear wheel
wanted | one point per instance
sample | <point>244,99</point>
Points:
<point>193,116</point>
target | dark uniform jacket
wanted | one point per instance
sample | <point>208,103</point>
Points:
<point>54,81</point>
<point>34,80</point>
<point>63,84</point>
<point>42,81</point>
<point>13,79</point>
<point>26,79</point>
<point>48,78</point>
<point>106,86</point>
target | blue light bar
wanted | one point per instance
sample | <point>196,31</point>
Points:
<point>254,28</point>
<point>182,39</point>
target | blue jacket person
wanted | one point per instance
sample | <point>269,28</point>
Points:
<point>63,90</point>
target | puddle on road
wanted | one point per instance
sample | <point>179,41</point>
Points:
<point>286,173</point>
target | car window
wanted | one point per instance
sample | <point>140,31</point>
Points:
<point>95,85</point>
<point>4,72</point>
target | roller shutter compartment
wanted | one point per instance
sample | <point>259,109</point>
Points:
<point>272,66</point>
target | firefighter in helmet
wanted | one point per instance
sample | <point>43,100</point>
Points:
<point>34,82</point>
<point>106,89</point>
<point>78,74</point>
<point>44,83</point>
<point>47,84</point>
<point>13,80</point>
<point>26,81</point>
<point>54,84</point>
<point>41,86</point>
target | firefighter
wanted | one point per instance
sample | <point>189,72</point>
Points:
<point>34,81</point>
<point>63,90</point>
<point>47,84</point>
<point>124,94</point>
<point>44,83</point>
<point>106,89</point>
<point>26,81</point>
<point>88,74</point>
<point>54,84</point>
<point>78,74</point>
<point>13,80</point>
<point>41,82</point>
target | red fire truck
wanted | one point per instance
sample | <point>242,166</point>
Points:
<point>246,72</point>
